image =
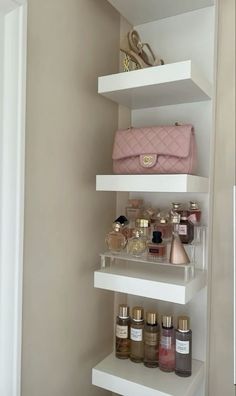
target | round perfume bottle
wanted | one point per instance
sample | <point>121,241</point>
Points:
<point>137,244</point>
<point>115,240</point>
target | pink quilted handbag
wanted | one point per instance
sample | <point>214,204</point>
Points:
<point>157,149</point>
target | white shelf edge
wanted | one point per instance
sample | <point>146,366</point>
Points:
<point>129,379</point>
<point>171,291</point>
<point>152,183</point>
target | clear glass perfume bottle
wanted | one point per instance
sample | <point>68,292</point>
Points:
<point>143,225</point>
<point>151,340</point>
<point>115,240</point>
<point>156,248</point>
<point>167,345</point>
<point>137,245</point>
<point>123,332</point>
<point>136,335</point>
<point>183,348</point>
<point>134,209</point>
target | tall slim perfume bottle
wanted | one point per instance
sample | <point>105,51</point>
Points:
<point>183,348</point>
<point>194,213</point>
<point>122,332</point>
<point>185,229</point>
<point>151,340</point>
<point>167,345</point>
<point>136,335</point>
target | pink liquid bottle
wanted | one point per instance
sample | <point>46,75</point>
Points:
<point>167,345</point>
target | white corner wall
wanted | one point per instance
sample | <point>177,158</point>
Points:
<point>67,324</point>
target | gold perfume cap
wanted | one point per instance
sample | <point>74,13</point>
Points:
<point>143,223</point>
<point>151,317</point>
<point>123,311</point>
<point>163,220</point>
<point>116,226</point>
<point>183,323</point>
<point>137,313</point>
<point>176,205</point>
<point>167,321</point>
<point>137,233</point>
<point>193,205</point>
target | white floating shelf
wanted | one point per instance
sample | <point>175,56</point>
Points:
<point>129,379</point>
<point>138,12</point>
<point>166,284</point>
<point>152,183</point>
<point>173,83</point>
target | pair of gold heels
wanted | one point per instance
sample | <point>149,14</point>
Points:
<point>139,53</point>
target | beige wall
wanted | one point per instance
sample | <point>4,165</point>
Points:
<point>67,324</point>
<point>221,335</point>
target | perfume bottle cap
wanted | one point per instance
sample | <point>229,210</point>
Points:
<point>151,318</point>
<point>123,311</point>
<point>184,215</point>
<point>176,205</point>
<point>137,233</point>
<point>175,218</point>
<point>122,220</point>
<point>116,226</point>
<point>163,220</point>
<point>167,321</point>
<point>183,323</point>
<point>143,223</point>
<point>135,203</point>
<point>137,313</point>
<point>193,205</point>
<point>157,237</point>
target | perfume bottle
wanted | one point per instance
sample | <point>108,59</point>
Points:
<point>124,222</point>
<point>183,348</point>
<point>151,340</point>
<point>156,248</point>
<point>143,225</point>
<point>167,345</point>
<point>178,254</point>
<point>137,245</point>
<point>194,213</point>
<point>176,207</point>
<point>164,227</point>
<point>185,229</point>
<point>115,240</point>
<point>134,209</point>
<point>136,335</point>
<point>122,332</point>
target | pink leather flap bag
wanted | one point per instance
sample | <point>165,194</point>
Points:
<point>157,149</point>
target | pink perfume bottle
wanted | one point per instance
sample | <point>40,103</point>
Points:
<point>167,345</point>
<point>115,240</point>
<point>194,213</point>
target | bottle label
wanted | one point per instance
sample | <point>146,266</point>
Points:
<point>182,347</point>
<point>182,229</point>
<point>136,334</point>
<point>166,342</point>
<point>121,331</point>
<point>151,338</point>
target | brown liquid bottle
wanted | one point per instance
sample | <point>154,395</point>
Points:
<point>151,340</point>
<point>123,332</point>
<point>183,348</point>
<point>136,335</point>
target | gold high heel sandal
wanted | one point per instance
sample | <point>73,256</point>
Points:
<point>137,46</point>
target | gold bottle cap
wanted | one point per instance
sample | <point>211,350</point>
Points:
<point>137,233</point>
<point>137,313</point>
<point>143,223</point>
<point>175,218</point>
<point>176,205</point>
<point>151,317</point>
<point>123,311</point>
<point>116,226</point>
<point>193,206</point>
<point>167,321</point>
<point>163,220</point>
<point>183,323</point>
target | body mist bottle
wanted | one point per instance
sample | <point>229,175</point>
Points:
<point>122,332</point>
<point>136,335</point>
<point>183,348</point>
<point>167,345</point>
<point>151,340</point>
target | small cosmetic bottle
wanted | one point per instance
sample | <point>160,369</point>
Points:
<point>151,340</point>
<point>136,335</point>
<point>194,213</point>
<point>122,332</point>
<point>176,207</point>
<point>143,225</point>
<point>137,245</point>
<point>134,209</point>
<point>156,248</point>
<point>115,240</point>
<point>185,229</point>
<point>167,345</point>
<point>164,227</point>
<point>183,348</point>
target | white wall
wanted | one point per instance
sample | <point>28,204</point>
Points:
<point>67,324</point>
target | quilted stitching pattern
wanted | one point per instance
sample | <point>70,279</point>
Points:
<point>126,158</point>
<point>165,140</point>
